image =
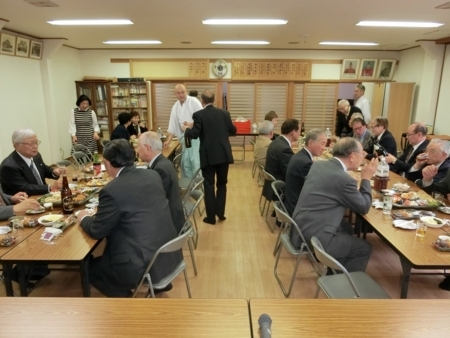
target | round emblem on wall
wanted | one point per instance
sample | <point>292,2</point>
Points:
<point>220,68</point>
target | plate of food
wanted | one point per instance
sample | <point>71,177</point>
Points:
<point>63,223</point>
<point>96,182</point>
<point>7,241</point>
<point>413,199</point>
<point>408,214</point>
<point>80,196</point>
<point>433,222</point>
<point>401,187</point>
<point>442,243</point>
<point>4,230</point>
<point>49,220</point>
<point>34,212</point>
<point>445,210</point>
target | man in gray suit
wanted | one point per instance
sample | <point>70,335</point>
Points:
<point>149,148</point>
<point>133,215</point>
<point>328,192</point>
<point>19,203</point>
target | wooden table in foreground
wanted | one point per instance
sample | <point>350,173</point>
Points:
<point>353,317</point>
<point>108,317</point>
<point>413,252</point>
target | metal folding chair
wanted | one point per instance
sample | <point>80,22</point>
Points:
<point>255,164</point>
<point>80,158</point>
<point>347,284</point>
<point>83,148</point>
<point>270,178</point>
<point>285,241</point>
<point>171,246</point>
<point>278,187</point>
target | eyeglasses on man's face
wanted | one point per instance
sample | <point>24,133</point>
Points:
<point>31,144</point>
<point>375,126</point>
<point>409,135</point>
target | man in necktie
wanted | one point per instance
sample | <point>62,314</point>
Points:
<point>417,139</point>
<point>24,170</point>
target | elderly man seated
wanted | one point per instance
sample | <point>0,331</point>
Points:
<point>436,155</point>
<point>24,170</point>
<point>265,131</point>
<point>362,134</point>
<point>19,203</point>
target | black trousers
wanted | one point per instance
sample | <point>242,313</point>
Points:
<point>215,199</point>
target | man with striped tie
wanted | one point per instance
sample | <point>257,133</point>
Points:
<point>24,170</point>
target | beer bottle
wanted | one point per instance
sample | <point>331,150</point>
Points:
<point>66,197</point>
<point>97,165</point>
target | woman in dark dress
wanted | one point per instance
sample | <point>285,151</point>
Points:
<point>83,125</point>
<point>136,128</point>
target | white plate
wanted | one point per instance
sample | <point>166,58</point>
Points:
<point>426,219</point>
<point>445,210</point>
<point>408,225</point>
<point>4,230</point>
<point>91,205</point>
<point>51,218</point>
<point>34,212</point>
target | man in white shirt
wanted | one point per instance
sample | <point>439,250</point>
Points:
<point>180,115</point>
<point>362,103</point>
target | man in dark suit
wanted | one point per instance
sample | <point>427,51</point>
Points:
<point>279,154</point>
<point>24,170</point>
<point>436,157</point>
<point>10,205</point>
<point>344,114</point>
<point>417,138</point>
<point>133,214</point>
<point>149,148</point>
<point>121,130</point>
<point>362,134</point>
<point>299,165</point>
<point>382,138</point>
<point>328,192</point>
<point>213,126</point>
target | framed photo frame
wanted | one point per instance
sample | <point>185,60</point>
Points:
<point>349,68</point>
<point>36,50</point>
<point>386,69</point>
<point>7,44</point>
<point>22,47</point>
<point>368,69</point>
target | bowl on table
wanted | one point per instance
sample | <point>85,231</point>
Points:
<point>433,222</point>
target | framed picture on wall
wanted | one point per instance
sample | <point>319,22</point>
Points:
<point>386,69</point>
<point>8,44</point>
<point>349,68</point>
<point>368,68</point>
<point>36,50</point>
<point>22,47</point>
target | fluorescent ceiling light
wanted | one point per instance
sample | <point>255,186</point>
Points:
<point>244,22</point>
<point>133,42</point>
<point>348,43</point>
<point>89,22</point>
<point>240,42</point>
<point>399,24</point>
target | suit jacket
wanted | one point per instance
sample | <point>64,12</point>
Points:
<point>442,171</point>
<point>6,211</point>
<point>328,192</point>
<point>16,175</point>
<point>214,127</point>
<point>401,165</point>
<point>367,142</point>
<point>120,132</point>
<point>260,151</point>
<point>278,156</point>
<point>169,178</point>
<point>342,120</point>
<point>133,214</point>
<point>297,171</point>
<point>387,141</point>
<point>132,130</point>
<point>442,186</point>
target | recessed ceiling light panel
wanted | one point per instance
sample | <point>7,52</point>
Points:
<point>399,24</point>
<point>339,43</point>
<point>89,22</point>
<point>240,42</point>
<point>244,22</point>
<point>132,42</point>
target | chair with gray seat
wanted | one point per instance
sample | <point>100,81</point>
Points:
<point>270,178</point>
<point>285,241</point>
<point>190,204</point>
<point>83,148</point>
<point>171,246</point>
<point>278,188</point>
<point>80,158</point>
<point>177,162</point>
<point>356,284</point>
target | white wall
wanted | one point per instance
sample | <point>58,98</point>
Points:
<point>442,122</point>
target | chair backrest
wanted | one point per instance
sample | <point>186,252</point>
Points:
<point>177,162</point>
<point>286,220</point>
<point>197,196</point>
<point>268,176</point>
<point>194,183</point>
<point>104,142</point>
<point>278,187</point>
<point>332,263</point>
<point>252,142</point>
<point>80,158</point>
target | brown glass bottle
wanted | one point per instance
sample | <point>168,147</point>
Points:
<point>66,197</point>
<point>187,141</point>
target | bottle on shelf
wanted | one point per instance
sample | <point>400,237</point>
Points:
<point>381,176</point>
<point>97,165</point>
<point>66,197</point>
<point>328,134</point>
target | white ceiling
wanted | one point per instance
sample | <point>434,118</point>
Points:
<point>175,21</point>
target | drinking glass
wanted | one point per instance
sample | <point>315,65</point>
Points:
<point>17,228</point>
<point>387,204</point>
<point>62,167</point>
<point>437,196</point>
<point>421,229</point>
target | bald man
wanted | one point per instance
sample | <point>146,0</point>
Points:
<point>181,115</point>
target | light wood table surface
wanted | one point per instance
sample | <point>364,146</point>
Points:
<point>108,317</point>
<point>413,252</point>
<point>353,317</point>
<point>170,151</point>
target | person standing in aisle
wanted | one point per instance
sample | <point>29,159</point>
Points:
<point>83,125</point>
<point>213,126</point>
<point>362,103</point>
<point>181,115</point>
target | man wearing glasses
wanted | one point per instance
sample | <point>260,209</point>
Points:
<point>362,134</point>
<point>345,112</point>
<point>382,137</point>
<point>24,170</point>
<point>417,139</point>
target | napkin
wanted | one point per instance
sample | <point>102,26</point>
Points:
<point>410,225</point>
<point>377,204</point>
